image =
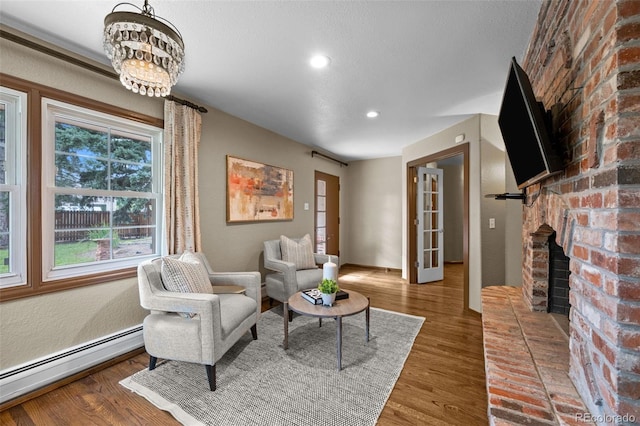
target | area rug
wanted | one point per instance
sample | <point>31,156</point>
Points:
<point>259,383</point>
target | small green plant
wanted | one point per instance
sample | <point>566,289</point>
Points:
<point>98,234</point>
<point>328,286</point>
<point>105,233</point>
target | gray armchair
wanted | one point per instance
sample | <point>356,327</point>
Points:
<point>217,320</point>
<point>285,279</point>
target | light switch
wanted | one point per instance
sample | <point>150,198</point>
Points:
<point>306,206</point>
<point>492,223</point>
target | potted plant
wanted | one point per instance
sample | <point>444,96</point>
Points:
<point>328,288</point>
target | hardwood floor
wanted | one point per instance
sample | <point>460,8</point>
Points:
<point>442,383</point>
<point>443,380</point>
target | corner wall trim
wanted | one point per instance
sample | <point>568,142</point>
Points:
<point>31,376</point>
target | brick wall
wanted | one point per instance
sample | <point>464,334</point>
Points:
<point>584,59</point>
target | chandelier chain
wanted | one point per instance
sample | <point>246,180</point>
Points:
<point>147,9</point>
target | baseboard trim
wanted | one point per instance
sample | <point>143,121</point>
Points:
<point>375,268</point>
<point>25,378</point>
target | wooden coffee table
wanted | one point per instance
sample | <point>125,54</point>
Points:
<point>355,304</point>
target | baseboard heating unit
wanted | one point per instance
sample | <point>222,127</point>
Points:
<point>28,377</point>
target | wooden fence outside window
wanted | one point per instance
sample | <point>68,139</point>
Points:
<point>73,226</point>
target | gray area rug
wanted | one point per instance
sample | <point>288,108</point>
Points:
<point>259,383</point>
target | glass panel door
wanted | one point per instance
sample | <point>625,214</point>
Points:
<point>321,216</point>
<point>430,225</point>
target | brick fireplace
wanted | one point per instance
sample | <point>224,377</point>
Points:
<point>584,59</point>
<point>584,64</point>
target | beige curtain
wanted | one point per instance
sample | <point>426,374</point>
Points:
<point>182,129</point>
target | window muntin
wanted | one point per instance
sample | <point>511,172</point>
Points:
<point>102,180</point>
<point>13,169</point>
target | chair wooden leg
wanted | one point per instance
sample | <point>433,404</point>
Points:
<point>270,302</point>
<point>254,331</point>
<point>211,375</point>
<point>152,362</point>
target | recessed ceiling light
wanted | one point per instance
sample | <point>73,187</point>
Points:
<point>320,61</point>
<point>373,114</point>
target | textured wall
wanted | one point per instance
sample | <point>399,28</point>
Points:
<point>492,160</point>
<point>373,204</point>
<point>453,209</point>
<point>238,246</point>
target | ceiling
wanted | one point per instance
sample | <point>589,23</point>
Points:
<point>424,65</point>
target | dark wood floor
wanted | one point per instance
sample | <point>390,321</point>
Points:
<point>442,383</point>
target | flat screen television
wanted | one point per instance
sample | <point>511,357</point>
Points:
<point>526,131</point>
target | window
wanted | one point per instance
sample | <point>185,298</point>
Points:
<point>80,190</point>
<point>102,192</point>
<point>13,223</point>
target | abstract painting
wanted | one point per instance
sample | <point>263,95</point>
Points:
<point>258,192</point>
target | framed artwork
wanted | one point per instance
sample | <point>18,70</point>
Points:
<point>258,192</point>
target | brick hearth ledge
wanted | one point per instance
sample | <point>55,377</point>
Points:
<point>527,364</point>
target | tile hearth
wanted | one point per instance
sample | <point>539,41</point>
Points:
<point>527,364</point>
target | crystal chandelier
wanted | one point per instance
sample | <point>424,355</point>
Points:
<point>147,53</point>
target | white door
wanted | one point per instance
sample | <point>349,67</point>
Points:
<point>429,221</point>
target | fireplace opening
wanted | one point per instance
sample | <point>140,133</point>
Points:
<point>558,292</point>
<point>559,272</point>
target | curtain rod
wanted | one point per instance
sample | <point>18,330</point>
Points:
<point>8,35</point>
<point>319,154</point>
<point>187,103</point>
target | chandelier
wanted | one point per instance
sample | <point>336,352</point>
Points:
<point>147,53</point>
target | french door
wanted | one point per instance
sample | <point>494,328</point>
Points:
<point>429,223</point>
<point>327,213</point>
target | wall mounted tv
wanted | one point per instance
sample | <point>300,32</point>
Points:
<point>526,131</point>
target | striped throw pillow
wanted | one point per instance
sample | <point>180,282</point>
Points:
<point>185,276</point>
<point>299,252</point>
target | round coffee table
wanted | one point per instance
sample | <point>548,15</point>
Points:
<point>354,304</point>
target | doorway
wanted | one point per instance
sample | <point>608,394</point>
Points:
<point>413,211</point>
<point>327,213</point>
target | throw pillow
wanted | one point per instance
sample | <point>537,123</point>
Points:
<point>191,257</point>
<point>184,276</point>
<point>299,253</point>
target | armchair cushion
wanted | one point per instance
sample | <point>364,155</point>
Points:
<point>234,309</point>
<point>185,276</point>
<point>300,252</point>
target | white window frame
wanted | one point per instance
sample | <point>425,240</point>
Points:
<point>16,184</point>
<point>52,109</point>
